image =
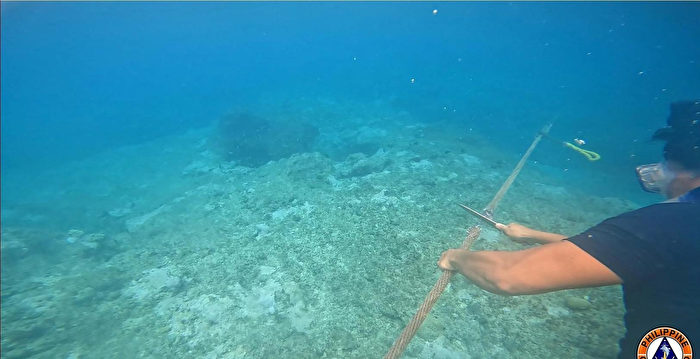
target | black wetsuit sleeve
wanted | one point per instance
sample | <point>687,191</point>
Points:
<point>636,245</point>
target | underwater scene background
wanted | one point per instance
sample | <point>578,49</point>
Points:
<point>278,180</point>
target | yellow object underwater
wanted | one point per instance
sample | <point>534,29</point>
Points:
<point>590,155</point>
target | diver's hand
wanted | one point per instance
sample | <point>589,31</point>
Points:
<point>521,234</point>
<point>449,260</point>
<point>516,231</point>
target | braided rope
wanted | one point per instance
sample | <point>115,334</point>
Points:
<point>509,181</point>
<point>402,341</point>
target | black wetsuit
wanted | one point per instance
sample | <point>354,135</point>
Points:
<point>655,250</point>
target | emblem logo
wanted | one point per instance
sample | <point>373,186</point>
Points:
<point>664,343</point>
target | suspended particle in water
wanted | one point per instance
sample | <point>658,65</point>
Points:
<point>434,11</point>
<point>413,80</point>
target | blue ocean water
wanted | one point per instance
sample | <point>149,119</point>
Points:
<point>138,220</point>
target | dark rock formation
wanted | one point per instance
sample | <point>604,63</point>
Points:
<point>253,141</point>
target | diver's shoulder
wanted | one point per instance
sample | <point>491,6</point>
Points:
<point>664,209</point>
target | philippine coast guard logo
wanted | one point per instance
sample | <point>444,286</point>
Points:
<point>664,343</point>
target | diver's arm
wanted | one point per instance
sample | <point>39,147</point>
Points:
<point>519,232</point>
<point>555,266</point>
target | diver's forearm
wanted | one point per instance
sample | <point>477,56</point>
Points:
<point>545,237</point>
<point>483,268</point>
